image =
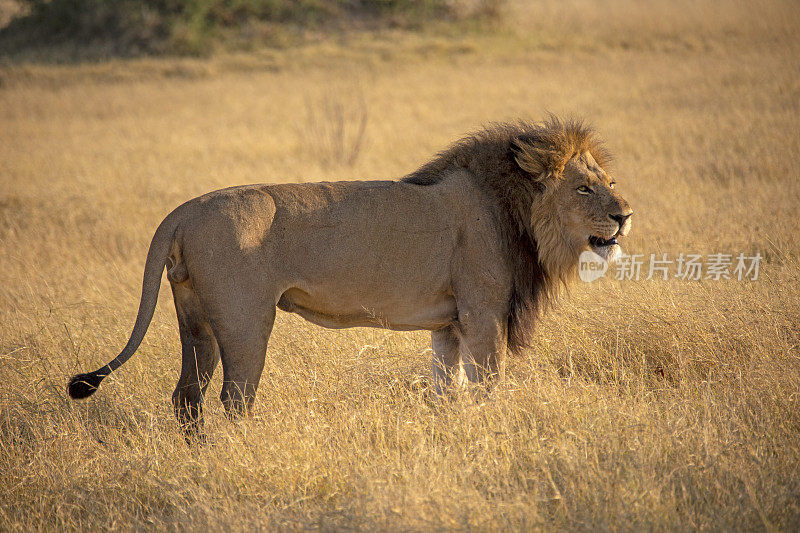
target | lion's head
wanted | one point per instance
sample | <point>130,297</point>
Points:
<point>555,199</point>
<point>577,207</point>
<point>598,215</point>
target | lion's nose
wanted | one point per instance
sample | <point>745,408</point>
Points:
<point>620,218</point>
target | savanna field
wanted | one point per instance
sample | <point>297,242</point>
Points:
<point>643,404</point>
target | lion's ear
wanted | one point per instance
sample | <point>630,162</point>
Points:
<point>532,156</point>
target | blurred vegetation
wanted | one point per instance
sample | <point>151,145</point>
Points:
<point>101,28</point>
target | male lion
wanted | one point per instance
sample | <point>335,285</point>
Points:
<point>470,247</point>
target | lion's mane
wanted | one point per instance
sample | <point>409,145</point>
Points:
<point>511,163</point>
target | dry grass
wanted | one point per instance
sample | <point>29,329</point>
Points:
<point>588,433</point>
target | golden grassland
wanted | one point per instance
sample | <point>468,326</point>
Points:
<point>644,404</point>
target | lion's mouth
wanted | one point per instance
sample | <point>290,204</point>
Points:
<point>599,242</point>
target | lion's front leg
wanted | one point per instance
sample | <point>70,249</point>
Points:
<point>483,345</point>
<point>446,358</point>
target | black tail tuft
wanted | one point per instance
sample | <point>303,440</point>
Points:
<point>83,385</point>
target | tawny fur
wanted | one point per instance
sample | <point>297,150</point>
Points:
<point>515,163</point>
<point>470,247</point>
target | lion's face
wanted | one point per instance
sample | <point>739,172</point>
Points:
<point>593,214</point>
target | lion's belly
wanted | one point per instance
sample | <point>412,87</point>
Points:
<point>343,311</point>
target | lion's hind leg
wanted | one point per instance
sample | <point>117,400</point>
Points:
<point>200,355</point>
<point>243,345</point>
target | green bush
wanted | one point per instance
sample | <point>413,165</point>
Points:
<point>135,27</point>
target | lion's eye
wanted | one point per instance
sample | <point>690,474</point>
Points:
<point>612,184</point>
<point>583,189</point>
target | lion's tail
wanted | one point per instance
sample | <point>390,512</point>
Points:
<point>84,385</point>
